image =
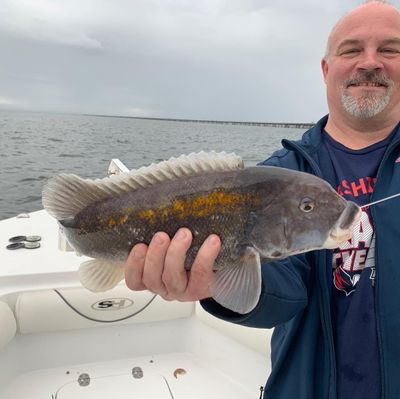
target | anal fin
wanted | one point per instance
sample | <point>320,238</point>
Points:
<point>100,275</point>
<point>238,287</point>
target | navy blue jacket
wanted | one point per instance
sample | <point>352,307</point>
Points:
<point>296,292</point>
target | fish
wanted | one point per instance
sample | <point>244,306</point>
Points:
<point>261,213</point>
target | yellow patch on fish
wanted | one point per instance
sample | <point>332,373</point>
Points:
<point>147,214</point>
<point>199,206</point>
<point>112,222</point>
<point>123,219</point>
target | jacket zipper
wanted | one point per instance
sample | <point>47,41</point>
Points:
<point>388,152</point>
<point>323,278</point>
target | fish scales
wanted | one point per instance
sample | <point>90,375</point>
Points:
<point>217,203</point>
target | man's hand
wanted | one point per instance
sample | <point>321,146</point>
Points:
<point>159,267</point>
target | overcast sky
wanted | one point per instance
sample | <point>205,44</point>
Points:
<point>249,60</point>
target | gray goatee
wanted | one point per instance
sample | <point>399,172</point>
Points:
<point>369,104</point>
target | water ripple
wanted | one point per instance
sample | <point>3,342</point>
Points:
<point>71,155</point>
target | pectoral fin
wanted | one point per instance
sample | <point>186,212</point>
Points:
<point>238,287</point>
<point>100,275</point>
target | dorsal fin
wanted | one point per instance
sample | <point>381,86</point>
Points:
<point>66,194</point>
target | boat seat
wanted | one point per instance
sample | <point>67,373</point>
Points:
<point>8,324</point>
<point>75,308</point>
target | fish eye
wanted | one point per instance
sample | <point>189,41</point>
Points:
<point>306,205</point>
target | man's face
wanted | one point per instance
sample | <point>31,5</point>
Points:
<point>362,72</point>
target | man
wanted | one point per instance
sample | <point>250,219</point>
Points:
<point>336,313</point>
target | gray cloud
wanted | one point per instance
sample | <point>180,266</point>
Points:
<point>236,59</point>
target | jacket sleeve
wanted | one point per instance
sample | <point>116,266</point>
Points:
<point>284,283</point>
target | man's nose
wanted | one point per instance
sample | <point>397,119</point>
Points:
<point>370,60</point>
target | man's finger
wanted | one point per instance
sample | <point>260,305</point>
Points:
<point>134,267</point>
<point>175,277</point>
<point>201,273</point>
<point>154,263</point>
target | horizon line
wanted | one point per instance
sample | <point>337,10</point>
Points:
<point>227,122</point>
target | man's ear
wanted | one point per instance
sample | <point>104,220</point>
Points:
<point>324,66</point>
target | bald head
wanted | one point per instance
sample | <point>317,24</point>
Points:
<point>357,15</point>
<point>362,74</point>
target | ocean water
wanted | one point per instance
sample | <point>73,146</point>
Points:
<point>36,146</point>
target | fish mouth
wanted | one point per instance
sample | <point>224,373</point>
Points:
<point>343,229</point>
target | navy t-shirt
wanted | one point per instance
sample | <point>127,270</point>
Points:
<point>353,174</point>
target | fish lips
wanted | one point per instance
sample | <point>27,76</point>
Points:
<point>343,228</point>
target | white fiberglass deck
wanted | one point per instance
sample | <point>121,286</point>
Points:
<point>49,347</point>
<point>45,267</point>
<point>179,359</point>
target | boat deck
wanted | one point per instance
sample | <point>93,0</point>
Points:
<point>176,375</point>
<point>181,358</point>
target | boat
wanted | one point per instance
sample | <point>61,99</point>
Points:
<point>61,341</point>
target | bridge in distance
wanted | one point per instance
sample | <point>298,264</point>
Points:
<point>266,124</point>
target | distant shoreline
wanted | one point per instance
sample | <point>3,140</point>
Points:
<point>266,124</point>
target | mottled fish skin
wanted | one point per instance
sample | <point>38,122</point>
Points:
<point>256,206</point>
<point>214,203</point>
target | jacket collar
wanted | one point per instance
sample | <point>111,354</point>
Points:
<point>312,138</point>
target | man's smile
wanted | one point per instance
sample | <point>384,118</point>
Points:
<point>367,84</point>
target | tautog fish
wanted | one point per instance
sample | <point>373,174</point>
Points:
<point>260,213</point>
